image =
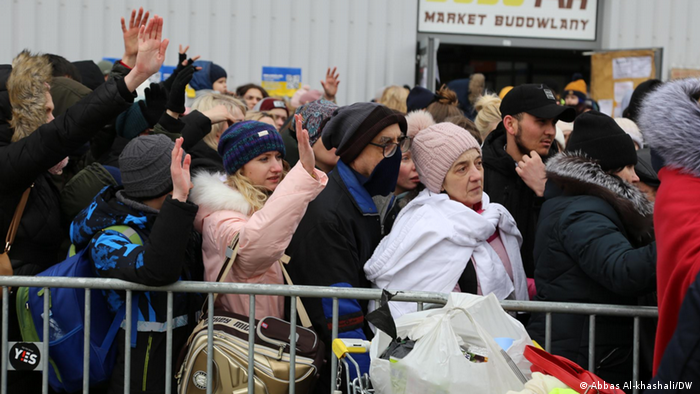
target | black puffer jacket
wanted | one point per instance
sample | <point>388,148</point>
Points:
<point>26,162</point>
<point>593,246</point>
<point>504,186</point>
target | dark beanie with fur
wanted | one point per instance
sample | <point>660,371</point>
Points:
<point>600,138</point>
<point>351,128</point>
<point>145,167</point>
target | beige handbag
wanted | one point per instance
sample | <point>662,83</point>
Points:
<point>5,263</point>
<point>230,358</point>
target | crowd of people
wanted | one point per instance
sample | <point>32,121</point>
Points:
<point>531,194</point>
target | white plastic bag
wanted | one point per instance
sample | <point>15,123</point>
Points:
<point>436,363</point>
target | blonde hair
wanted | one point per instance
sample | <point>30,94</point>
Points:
<point>488,111</point>
<point>256,115</point>
<point>211,100</point>
<point>395,97</point>
<point>256,196</point>
<point>445,106</point>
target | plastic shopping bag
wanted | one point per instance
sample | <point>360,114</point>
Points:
<point>437,364</point>
<point>487,311</point>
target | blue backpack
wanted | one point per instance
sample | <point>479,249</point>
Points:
<point>66,320</point>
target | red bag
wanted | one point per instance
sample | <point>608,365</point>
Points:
<point>570,373</point>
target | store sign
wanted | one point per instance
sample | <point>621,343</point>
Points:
<point>553,19</point>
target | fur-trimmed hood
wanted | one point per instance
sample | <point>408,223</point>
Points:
<point>576,175</point>
<point>212,194</point>
<point>670,122</point>
<point>27,86</point>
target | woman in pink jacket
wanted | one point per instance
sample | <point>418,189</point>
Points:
<point>258,199</point>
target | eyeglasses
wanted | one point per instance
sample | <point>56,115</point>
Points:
<point>390,148</point>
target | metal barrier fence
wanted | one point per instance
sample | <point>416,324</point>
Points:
<point>335,293</point>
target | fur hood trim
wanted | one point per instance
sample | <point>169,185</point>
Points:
<point>576,174</point>
<point>670,122</point>
<point>211,193</point>
<point>26,87</point>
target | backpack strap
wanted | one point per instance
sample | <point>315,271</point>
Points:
<point>14,225</point>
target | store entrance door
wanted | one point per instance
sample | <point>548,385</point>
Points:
<point>510,66</point>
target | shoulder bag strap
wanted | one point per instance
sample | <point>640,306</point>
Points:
<point>301,311</point>
<point>14,225</point>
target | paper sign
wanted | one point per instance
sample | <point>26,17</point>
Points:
<point>606,107</point>
<point>281,81</point>
<point>621,89</point>
<point>632,67</point>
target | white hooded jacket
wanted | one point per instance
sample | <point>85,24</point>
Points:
<point>432,241</point>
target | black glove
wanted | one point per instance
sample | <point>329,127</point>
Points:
<point>168,83</point>
<point>176,96</point>
<point>154,105</point>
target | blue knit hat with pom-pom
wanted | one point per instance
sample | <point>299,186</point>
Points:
<point>247,140</point>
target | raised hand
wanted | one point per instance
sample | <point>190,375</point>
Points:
<point>131,35</point>
<point>330,85</point>
<point>533,172</point>
<point>151,53</point>
<point>306,153</point>
<point>220,114</point>
<point>180,172</point>
<point>176,95</point>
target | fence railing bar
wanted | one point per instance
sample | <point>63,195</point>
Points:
<point>591,343</point>
<point>548,332</point>
<point>210,343</point>
<point>292,343</point>
<point>635,355</point>
<point>45,345</point>
<point>5,347</point>
<point>169,345</point>
<point>334,335</point>
<point>251,344</point>
<point>86,341</point>
<point>419,306</point>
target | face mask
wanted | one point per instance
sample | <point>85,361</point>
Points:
<point>382,181</point>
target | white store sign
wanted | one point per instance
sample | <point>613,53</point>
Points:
<point>553,19</point>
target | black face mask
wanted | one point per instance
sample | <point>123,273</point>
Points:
<point>382,181</point>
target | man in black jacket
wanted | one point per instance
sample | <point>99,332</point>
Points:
<point>345,223</point>
<point>514,172</point>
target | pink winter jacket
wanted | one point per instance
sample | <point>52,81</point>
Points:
<point>264,235</point>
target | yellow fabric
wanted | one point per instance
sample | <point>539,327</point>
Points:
<point>504,91</point>
<point>562,391</point>
<point>578,85</point>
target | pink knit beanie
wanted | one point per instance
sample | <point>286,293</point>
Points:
<point>436,148</point>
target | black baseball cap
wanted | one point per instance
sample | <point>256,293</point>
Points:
<point>537,100</point>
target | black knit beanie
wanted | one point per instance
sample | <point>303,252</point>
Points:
<point>600,138</point>
<point>351,128</point>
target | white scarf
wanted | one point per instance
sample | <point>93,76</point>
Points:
<point>432,241</point>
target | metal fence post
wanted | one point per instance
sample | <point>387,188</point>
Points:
<point>127,342</point>
<point>292,344</point>
<point>591,343</point>
<point>5,349</point>
<point>548,332</point>
<point>251,344</point>
<point>45,345</point>
<point>169,345</point>
<point>210,343</point>
<point>334,335</point>
<point>635,356</point>
<point>86,341</point>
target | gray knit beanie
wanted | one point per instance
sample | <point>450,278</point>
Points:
<point>145,166</point>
